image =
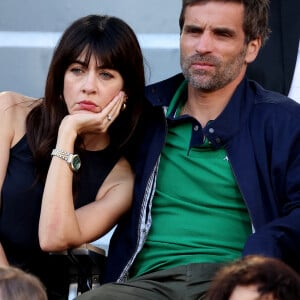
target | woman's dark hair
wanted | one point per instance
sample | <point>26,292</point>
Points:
<point>113,43</point>
<point>255,17</point>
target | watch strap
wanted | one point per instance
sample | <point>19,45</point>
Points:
<point>61,154</point>
<point>73,160</point>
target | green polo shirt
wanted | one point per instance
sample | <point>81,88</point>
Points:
<point>198,214</point>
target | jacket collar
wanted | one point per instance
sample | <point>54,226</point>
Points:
<point>220,130</point>
<point>232,118</point>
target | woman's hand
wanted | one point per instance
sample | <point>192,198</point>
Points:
<point>84,121</point>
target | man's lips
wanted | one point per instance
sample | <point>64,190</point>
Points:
<point>202,65</point>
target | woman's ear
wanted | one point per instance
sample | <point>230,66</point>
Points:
<point>124,102</point>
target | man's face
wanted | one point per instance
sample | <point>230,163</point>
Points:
<point>212,44</point>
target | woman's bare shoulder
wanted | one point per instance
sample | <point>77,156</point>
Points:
<point>14,109</point>
<point>15,100</point>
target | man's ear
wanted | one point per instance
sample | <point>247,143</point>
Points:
<point>252,50</point>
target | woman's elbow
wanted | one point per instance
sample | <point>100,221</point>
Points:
<point>52,243</point>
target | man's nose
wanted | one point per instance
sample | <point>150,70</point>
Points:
<point>204,43</point>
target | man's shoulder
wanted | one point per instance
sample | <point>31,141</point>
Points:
<point>265,96</point>
<point>161,92</point>
<point>275,105</point>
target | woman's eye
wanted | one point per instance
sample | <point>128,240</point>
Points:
<point>106,75</point>
<point>76,70</point>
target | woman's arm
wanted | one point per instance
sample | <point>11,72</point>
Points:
<point>6,132</point>
<point>5,137</point>
<point>13,111</point>
<point>61,226</point>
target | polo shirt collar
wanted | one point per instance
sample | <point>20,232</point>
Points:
<point>228,123</point>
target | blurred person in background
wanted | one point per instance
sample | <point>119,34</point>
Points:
<point>16,284</point>
<point>277,66</point>
<point>255,278</point>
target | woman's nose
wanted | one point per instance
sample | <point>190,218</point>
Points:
<point>89,84</point>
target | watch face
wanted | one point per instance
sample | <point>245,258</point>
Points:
<point>76,162</point>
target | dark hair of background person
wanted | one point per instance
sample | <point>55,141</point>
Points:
<point>115,46</point>
<point>15,284</point>
<point>270,275</point>
<point>255,18</point>
<point>274,67</point>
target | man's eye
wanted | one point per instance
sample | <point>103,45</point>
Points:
<point>194,30</point>
<point>225,34</point>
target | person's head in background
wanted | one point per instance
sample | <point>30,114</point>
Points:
<point>113,45</point>
<point>15,284</point>
<point>255,278</point>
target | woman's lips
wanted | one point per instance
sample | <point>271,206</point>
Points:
<point>88,105</point>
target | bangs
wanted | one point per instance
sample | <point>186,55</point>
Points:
<point>102,53</point>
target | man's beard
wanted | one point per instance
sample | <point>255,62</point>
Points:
<point>224,72</point>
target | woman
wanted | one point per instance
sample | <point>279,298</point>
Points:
<point>63,176</point>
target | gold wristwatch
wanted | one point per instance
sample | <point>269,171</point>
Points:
<point>73,160</point>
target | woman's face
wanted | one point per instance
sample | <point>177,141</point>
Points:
<point>89,88</point>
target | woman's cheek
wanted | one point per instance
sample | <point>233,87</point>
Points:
<point>105,102</point>
<point>108,99</point>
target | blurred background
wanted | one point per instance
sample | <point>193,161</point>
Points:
<point>30,29</point>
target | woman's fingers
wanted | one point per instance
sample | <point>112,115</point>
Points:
<point>99,122</point>
<point>112,110</point>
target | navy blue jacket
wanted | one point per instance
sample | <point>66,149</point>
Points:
<point>260,131</point>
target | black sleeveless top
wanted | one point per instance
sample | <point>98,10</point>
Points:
<point>21,203</point>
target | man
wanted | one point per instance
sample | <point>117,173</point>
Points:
<point>217,172</point>
<point>276,66</point>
